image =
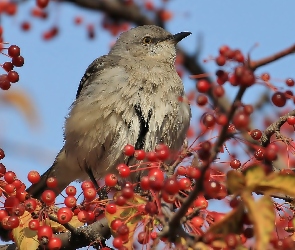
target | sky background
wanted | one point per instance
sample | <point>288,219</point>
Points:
<point>53,69</point>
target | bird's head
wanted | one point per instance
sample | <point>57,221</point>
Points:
<point>148,42</point>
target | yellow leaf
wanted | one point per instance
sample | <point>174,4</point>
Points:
<point>235,181</point>
<point>262,215</point>
<point>254,175</point>
<point>231,223</point>
<point>200,246</point>
<point>278,183</point>
<point>25,238</point>
<point>22,102</point>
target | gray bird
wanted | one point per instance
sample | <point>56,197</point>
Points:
<point>130,96</point>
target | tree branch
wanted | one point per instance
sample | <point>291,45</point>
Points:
<point>274,127</point>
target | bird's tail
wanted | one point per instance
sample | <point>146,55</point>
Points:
<point>58,170</point>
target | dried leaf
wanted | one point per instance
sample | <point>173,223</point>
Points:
<point>22,102</point>
<point>263,221</point>
<point>25,238</point>
<point>278,183</point>
<point>235,181</point>
<point>254,175</point>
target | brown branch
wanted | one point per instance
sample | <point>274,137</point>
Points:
<point>255,64</point>
<point>274,127</point>
<point>98,231</point>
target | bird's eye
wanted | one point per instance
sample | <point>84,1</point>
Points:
<point>147,40</point>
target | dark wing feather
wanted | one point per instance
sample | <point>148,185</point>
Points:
<point>97,66</point>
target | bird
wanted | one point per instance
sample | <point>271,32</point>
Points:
<point>133,95</point>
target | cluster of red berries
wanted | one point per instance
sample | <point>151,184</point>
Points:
<point>17,202</point>
<point>16,61</point>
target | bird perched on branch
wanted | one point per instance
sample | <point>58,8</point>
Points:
<point>133,96</point>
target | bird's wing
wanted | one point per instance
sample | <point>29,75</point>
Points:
<point>97,67</point>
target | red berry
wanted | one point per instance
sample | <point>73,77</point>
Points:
<point>139,154</point>
<point>223,50</point>
<point>184,183</point>
<point>248,109</point>
<point>218,91</point>
<point>34,177</point>
<point>13,76</point>
<point>87,184</point>
<point>2,167</point>
<point>235,163</point>
<point>9,177</point>
<point>34,224</point>
<point>48,197</point>
<point>143,238</point>
<point>30,205</point>
<point>2,155</point>
<point>197,222</point>
<point>83,216</point>
<point>13,222</point>
<point>265,77</point>
<point>13,51</point>
<point>151,208</point>
<point>290,82</point>
<point>111,208</point>
<point>181,170</point>
<point>220,60</point>
<point>9,188</point>
<point>18,61</point>
<point>256,134</point>
<point>144,183</point>
<point>259,154</point>
<point>127,192</point>
<point>202,100</point>
<point>169,198</point>
<point>171,186</point>
<point>158,173</point>
<point>193,172</point>
<point>209,120</point>
<point>241,120</point>
<point>110,180</point>
<point>124,170</point>
<point>70,201</point>
<point>151,156</point>
<point>42,3</point>
<point>7,66</point>
<point>45,231</point>
<point>117,242</point>
<point>89,194</point>
<point>129,150</point>
<point>64,215</point>
<point>25,26</point>
<point>203,86</point>
<point>71,190</point>
<point>279,99</point>
<point>115,224</point>
<point>51,182</point>
<point>221,119</point>
<point>211,188</point>
<point>4,82</point>
<point>291,120</point>
<point>54,243</point>
<point>3,213</point>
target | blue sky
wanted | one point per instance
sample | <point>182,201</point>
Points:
<point>53,69</point>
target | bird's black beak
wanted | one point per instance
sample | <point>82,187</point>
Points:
<point>179,36</point>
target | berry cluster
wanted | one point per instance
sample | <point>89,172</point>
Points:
<point>16,61</point>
